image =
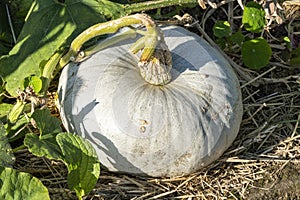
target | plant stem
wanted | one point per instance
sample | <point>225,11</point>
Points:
<point>150,5</point>
<point>19,148</point>
<point>50,70</point>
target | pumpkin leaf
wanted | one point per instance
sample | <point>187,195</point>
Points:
<point>16,185</point>
<point>256,53</point>
<point>6,156</point>
<point>4,109</point>
<point>50,25</point>
<point>45,122</point>
<point>44,144</point>
<point>82,162</point>
<point>222,29</point>
<point>78,154</point>
<point>16,130</point>
<point>254,17</point>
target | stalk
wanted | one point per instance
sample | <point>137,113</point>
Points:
<point>58,61</point>
<point>150,5</point>
<point>50,70</point>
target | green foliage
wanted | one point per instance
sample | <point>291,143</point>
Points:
<point>254,17</point>
<point>49,28</point>
<point>55,25</point>
<point>76,152</point>
<point>82,162</point>
<point>45,122</point>
<point>44,144</point>
<point>6,156</point>
<point>4,110</point>
<point>33,81</point>
<point>237,38</point>
<point>16,185</point>
<point>256,53</point>
<point>18,12</point>
<point>222,29</point>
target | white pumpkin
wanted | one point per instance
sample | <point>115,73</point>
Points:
<point>140,128</point>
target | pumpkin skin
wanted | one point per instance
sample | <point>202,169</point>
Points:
<point>139,128</point>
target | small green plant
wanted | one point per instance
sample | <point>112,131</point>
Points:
<point>256,52</point>
<point>254,17</point>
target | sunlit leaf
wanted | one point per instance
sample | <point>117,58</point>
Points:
<point>254,17</point>
<point>43,146</point>
<point>4,109</point>
<point>222,29</point>
<point>51,25</point>
<point>82,162</point>
<point>16,185</point>
<point>33,81</point>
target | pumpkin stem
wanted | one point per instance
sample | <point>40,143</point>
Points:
<point>155,61</point>
<point>156,69</point>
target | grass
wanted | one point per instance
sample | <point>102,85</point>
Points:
<point>264,160</point>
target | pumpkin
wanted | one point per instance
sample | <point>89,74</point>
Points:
<point>158,130</point>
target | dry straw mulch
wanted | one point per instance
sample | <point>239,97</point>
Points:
<point>264,160</point>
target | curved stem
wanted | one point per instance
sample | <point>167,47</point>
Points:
<point>155,61</point>
<point>130,33</point>
<point>150,5</point>
<point>50,70</point>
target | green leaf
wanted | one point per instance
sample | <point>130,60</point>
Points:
<point>45,145</point>
<point>256,53</point>
<point>222,29</point>
<point>221,42</point>
<point>295,57</point>
<point>6,156</point>
<point>78,154</point>
<point>82,162</point>
<point>254,17</point>
<point>4,109</point>
<point>237,38</point>
<point>16,130</point>
<point>33,81</point>
<point>50,26</point>
<point>46,123</point>
<point>16,185</point>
